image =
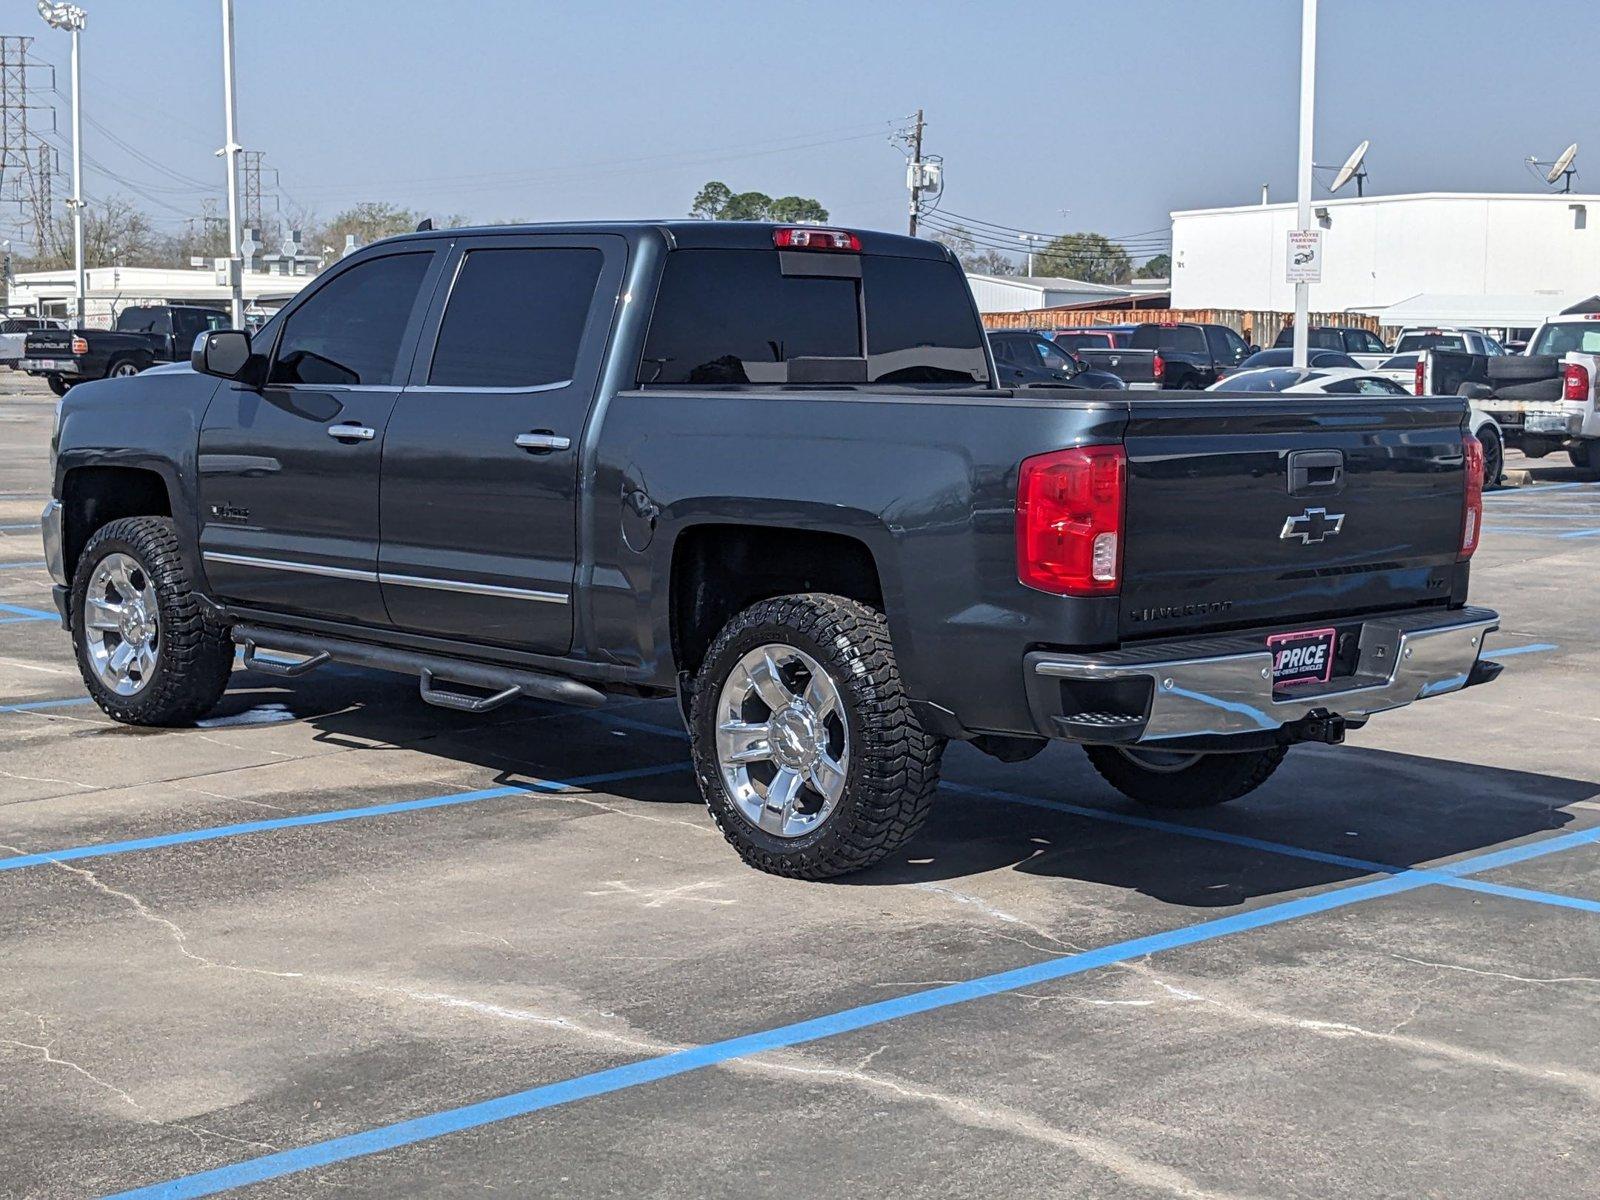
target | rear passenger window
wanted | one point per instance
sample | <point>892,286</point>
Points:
<point>349,331</point>
<point>515,318</point>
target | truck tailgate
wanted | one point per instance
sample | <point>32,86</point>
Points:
<point>1252,512</point>
<point>1136,368</point>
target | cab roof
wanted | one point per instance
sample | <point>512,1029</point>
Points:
<point>684,234</point>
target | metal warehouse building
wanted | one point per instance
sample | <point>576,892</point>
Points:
<point>1464,258</point>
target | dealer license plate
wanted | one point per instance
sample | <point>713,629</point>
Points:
<point>1302,657</point>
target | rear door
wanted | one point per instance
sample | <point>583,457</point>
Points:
<point>1247,512</point>
<point>480,462</point>
<point>289,474</point>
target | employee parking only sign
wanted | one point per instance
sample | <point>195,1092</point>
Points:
<point>1304,263</point>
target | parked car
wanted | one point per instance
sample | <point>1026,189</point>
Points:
<point>1022,357</point>
<point>765,469</point>
<point>141,337</point>
<point>1092,337</point>
<point>1545,400</point>
<point>1354,381</point>
<point>1364,346</point>
<point>1469,341</point>
<point>1185,356</point>
<point>1285,358</point>
<point>14,332</point>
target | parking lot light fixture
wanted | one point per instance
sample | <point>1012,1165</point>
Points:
<point>71,18</point>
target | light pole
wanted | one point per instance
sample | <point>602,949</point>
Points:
<point>71,18</point>
<point>230,155</point>
<point>1308,99</point>
<point>1031,239</point>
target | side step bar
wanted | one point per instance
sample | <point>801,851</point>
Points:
<point>505,683</point>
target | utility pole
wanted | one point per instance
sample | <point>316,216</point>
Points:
<point>230,155</point>
<point>914,172</point>
<point>1308,100</point>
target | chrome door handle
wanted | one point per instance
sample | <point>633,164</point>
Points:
<point>360,433</point>
<point>542,440</point>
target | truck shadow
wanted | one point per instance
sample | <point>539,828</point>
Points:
<point>1051,816</point>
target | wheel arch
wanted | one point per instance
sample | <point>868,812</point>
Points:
<point>94,496</point>
<point>719,569</point>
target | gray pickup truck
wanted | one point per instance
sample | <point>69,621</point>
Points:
<point>764,469</point>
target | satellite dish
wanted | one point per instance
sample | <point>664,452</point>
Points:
<point>1563,166</point>
<point>1352,170</point>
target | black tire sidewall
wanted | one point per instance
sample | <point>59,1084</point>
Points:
<point>1494,458</point>
<point>724,655</point>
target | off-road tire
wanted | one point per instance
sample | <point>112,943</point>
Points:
<point>1213,778</point>
<point>1540,391</point>
<point>894,762</point>
<point>1523,368</point>
<point>194,655</point>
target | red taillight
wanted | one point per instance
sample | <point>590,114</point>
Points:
<point>816,239</point>
<point>80,345</point>
<point>1069,520</point>
<point>1575,387</point>
<point>1421,375</point>
<point>1472,505</point>
<point>1158,366</point>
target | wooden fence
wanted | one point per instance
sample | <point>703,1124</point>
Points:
<point>1263,327</point>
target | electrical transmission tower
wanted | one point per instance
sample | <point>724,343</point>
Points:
<point>250,188</point>
<point>26,162</point>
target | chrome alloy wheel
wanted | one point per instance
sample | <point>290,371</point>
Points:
<point>783,744</point>
<point>124,369</point>
<point>121,624</point>
<point>1162,762</point>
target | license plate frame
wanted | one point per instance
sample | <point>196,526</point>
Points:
<point>1302,657</point>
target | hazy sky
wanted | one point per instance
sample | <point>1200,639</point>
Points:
<point>1116,111</point>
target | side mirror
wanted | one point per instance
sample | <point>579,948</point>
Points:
<point>221,352</point>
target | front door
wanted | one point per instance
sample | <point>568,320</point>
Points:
<point>289,473</point>
<point>480,462</point>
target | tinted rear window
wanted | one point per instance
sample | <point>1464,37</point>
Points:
<point>732,316</point>
<point>1186,338</point>
<point>1413,342</point>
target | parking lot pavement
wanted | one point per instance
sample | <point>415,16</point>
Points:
<point>333,940</point>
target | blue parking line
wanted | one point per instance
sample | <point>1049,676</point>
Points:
<point>21,566</point>
<point>17,528</point>
<point>36,613</point>
<point>1517,893</point>
<point>1580,533</point>
<point>1537,489</point>
<point>449,800</point>
<point>36,705</point>
<point>666,1066</point>
<point>1531,648</point>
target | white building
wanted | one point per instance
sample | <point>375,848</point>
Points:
<point>1020,293</point>
<point>1492,260</point>
<point>109,290</point>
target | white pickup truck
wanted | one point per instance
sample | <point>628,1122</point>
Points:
<point>1546,399</point>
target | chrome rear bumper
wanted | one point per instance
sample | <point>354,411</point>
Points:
<point>1222,687</point>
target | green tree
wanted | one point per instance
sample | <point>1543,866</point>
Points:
<point>716,201</point>
<point>1159,267</point>
<point>1091,257</point>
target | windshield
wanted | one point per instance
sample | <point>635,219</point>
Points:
<point>735,316</point>
<point>1567,337</point>
<point>1430,341</point>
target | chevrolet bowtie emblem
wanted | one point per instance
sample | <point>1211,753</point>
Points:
<point>1312,526</point>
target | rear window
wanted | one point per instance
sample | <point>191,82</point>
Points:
<point>141,320</point>
<point>1084,341</point>
<point>1413,342</point>
<point>1187,339</point>
<point>1566,338</point>
<point>732,316</point>
<point>1270,380</point>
